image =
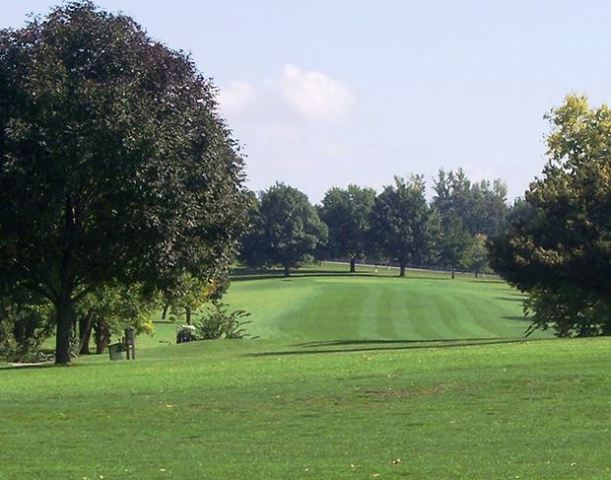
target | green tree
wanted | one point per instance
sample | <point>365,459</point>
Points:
<point>400,221</point>
<point>347,216</point>
<point>114,165</point>
<point>558,248</point>
<point>477,254</point>
<point>285,229</point>
<point>489,208</point>
<point>481,207</point>
<point>189,294</point>
<point>453,244</point>
<point>109,310</point>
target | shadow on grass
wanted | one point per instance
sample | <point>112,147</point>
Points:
<point>489,281</point>
<point>385,347</point>
<point>510,299</point>
<point>26,366</point>
<point>327,343</point>
<point>326,273</point>
<point>519,318</point>
<point>268,274</point>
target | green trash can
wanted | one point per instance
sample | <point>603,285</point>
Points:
<point>116,351</point>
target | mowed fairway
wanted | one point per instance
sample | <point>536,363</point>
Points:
<point>352,378</point>
<point>370,306</point>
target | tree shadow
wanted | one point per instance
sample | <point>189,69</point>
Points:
<point>519,318</point>
<point>309,273</point>
<point>326,343</point>
<point>489,281</point>
<point>329,273</point>
<point>382,348</point>
<point>26,366</point>
<point>510,299</point>
<point>76,363</point>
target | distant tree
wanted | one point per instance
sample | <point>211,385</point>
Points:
<point>476,258</point>
<point>400,221</point>
<point>490,209</point>
<point>453,196</point>
<point>347,215</point>
<point>114,164</point>
<point>453,244</point>
<point>481,207</point>
<point>285,229</point>
<point>558,246</point>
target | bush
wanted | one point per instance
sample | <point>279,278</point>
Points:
<point>217,323</point>
<point>23,328</point>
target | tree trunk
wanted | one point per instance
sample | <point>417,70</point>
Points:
<point>64,306</point>
<point>188,314</point>
<point>64,310</point>
<point>453,275</point>
<point>85,333</point>
<point>165,311</point>
<point>352,265</point>
<point>475,273</point>
<point>102,336</point>
<point>287,272</point>
<point>402,270</point>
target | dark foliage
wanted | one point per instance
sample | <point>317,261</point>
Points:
<point>114,165</point>
<point>558,245</point>
<point>285,229</point>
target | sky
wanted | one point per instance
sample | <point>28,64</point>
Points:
<point>324,93</point>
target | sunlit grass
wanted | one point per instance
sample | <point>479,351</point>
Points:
<point>414,378</point>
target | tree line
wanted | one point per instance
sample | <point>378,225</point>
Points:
<point>397,226</point>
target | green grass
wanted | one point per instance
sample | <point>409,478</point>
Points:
<point>336,388</point>
<point>423,306</point>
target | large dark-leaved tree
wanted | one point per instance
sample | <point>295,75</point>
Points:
<point>285,229</point>
<point>347,212</point>
<point>400,222</point>
<point>114,166</point>
<point>558,245</point>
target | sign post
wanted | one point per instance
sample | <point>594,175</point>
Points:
<point>130,343</point>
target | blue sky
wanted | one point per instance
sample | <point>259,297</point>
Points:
<point>327,93</point>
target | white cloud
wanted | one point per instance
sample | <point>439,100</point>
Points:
<point>315,95</point>
<point>236,97</point>
<point>311,94</point>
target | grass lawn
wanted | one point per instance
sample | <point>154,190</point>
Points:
<point>352,377</point>
<point>336,305</point>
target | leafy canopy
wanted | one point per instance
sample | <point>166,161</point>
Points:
<point>347,212</point>
<point>400,221</point>
<point>285,229</point>
<point>558,246</point>
<point>114,164</point>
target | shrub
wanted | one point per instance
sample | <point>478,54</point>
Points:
<point>218,322</point>
<point>23,328</point>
